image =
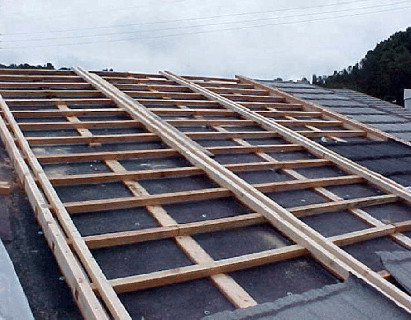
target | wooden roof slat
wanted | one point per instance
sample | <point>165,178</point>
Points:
<point>213,193</point>
<point>53,101</point>
<point>77,125</point>
<point>315,209</point>
<point>43,85</point>
<point>42,72</point>
<point>72,112</point>
<point>40,78</point>
<point>177,172</point>
<point>131,237</point>
<point>152,137</point>
<point>248,122</point>
<point>49,93</point>
<point>182,274</point>
<point>117,155</point>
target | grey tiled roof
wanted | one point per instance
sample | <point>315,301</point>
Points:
<point>398,264</point>
<point>377,113</point>
<point>349,300</point>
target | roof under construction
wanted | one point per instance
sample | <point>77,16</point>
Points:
<point>170,197</point>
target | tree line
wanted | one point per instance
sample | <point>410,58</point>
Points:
<point>48,66</point>
<point>383,73</point>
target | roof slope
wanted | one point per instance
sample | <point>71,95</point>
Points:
<point>170,197</point>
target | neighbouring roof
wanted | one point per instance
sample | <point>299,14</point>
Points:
<point>168,197</point>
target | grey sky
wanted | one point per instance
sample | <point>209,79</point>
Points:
<point>287,43</point>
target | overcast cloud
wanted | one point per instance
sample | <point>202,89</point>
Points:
<point>290,44</point>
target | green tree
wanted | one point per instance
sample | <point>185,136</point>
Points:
<point>384,72</point>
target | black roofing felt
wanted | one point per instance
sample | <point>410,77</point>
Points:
<point>389,158</point>
<point>352,299</point>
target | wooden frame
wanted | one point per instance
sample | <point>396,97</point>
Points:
<point>227,99</point>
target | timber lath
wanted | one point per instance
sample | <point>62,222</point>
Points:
<point>88,145</point>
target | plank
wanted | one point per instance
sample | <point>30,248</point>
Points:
<point>27,77</point>
<point>107,138</point>
<point>136,79</point>
<point>272,113</point>
<point>53,101</point>
<point>72,112</point>
<point>363,235</point>
<point>227,122</point>
<point>43,72</point>
<point>128,75</point>
<point>248,122</point>
<point>314,209</point>
<point>214,193</point>
<point>256,98</point>
<point>403,226</point>
<point>152,137</point>
<point>170,95</point>
<point>188,229</point>
<point>127,154</point>
<point>193,272</point>
<point>113,155</point>
<point>49,93</point>
<point>221,90</point>
<point>82,124</point>
<point>44,85</point>
<point>176,172</point>
<point>146,137</point>
<point>225,85</point>
<point>232,80</point>
<point>151,234</point>
<point>182,274</point>
<point>158,102</point>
